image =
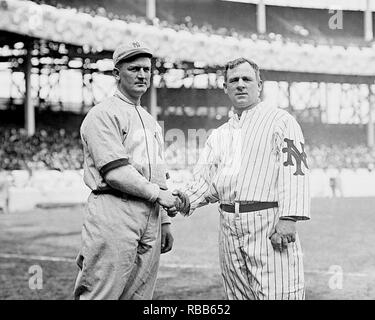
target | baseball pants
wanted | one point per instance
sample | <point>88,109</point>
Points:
<point>251,269</point>
<point>120,251</point>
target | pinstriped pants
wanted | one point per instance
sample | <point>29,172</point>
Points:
<point>251,269</point>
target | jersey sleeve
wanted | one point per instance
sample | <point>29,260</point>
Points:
<point>293,178</point>
<point>102,132</point>
<point>201,190</point>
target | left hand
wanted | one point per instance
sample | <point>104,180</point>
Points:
<point>166,238</point>
<point>284,233</point>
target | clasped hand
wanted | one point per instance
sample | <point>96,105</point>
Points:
<point>283,234</point>
<point>174,202</point>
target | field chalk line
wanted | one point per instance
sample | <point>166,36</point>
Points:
<point>33,257</point>
<point>168,265</point>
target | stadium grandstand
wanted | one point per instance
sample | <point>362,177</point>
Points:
<point>234,18</point>
<point>55,64</point>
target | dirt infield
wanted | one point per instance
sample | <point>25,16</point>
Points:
<point>338,238</point>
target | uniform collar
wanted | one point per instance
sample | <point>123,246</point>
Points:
<point>235,120</point>
<point>124,98</point>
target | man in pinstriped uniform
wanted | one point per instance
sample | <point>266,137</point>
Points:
<point>255,166</point>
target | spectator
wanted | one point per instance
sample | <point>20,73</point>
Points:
<point>61,150</point>
<point>47,149</point>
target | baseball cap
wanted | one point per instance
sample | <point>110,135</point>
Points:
<point>131,49</point>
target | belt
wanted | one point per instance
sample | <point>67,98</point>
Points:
<point>114,192</point>
<point>249,207</point>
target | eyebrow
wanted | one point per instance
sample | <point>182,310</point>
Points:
<point>138,66</point>
<point>237,78</point>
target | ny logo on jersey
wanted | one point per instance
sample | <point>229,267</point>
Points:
<point>136,44</point>
<point>299,157</point>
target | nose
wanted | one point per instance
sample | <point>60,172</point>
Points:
<point>141,73</point>
<point>241,83</point>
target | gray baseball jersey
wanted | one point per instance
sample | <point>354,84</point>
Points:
<point>120,235</point>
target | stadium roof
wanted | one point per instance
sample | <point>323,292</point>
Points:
<point>352,5</point>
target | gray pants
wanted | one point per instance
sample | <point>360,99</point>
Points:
<point>120,251</point>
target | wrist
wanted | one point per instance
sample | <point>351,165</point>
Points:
<point>165,219</point>
<point>155,193</point>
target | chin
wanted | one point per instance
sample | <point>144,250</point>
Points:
<point>242,102</point>
<point>141,90</point>
<point>242,106</point>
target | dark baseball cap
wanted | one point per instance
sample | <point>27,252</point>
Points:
<point>131,49</point>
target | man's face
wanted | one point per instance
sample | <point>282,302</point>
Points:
<point>135,76</point>
<point>242,86</point>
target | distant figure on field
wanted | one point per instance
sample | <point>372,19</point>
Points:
<point>4,192</point>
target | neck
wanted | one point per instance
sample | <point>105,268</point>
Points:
<point>239,111</point>
<point>135,100</point>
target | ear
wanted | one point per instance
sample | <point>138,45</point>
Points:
<point>116,73</point>
<point>260,86</point>
<point>225,88</point>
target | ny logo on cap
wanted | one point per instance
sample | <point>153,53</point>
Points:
<point>136,44</point>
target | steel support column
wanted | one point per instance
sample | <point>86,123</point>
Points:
<point>28,103</point>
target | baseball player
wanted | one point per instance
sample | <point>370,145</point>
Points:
<point>4,192</point>
<point>123,231</point>
<point>255,166</point>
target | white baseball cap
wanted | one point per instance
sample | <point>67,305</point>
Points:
<point>131,49</point>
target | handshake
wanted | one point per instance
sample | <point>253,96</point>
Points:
<point>174,202</point>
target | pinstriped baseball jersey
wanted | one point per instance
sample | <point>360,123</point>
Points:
<point>259,157</point>
<point>249,159</point>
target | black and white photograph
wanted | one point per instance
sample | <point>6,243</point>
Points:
<point>187,150</point>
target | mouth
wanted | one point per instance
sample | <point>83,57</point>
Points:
<point>241,94</point>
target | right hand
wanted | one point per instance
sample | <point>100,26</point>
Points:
<point>184,206</point>
<point>279,242</point>
<point>167,200</point>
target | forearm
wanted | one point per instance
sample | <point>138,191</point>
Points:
<point>292,206</point>
<point>294,195</point>
<point>199,194</point>
<point>128,180</point>
<point>164,216</point>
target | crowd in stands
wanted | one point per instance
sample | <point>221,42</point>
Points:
<point>285,25</point>
<point>47,149</point>
<point>62,150</point>
<point>340,156</point>
<point>186,24</point>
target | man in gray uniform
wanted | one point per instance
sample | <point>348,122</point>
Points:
<point>125,228</point>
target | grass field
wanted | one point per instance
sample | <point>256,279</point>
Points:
<point>340,235</point>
